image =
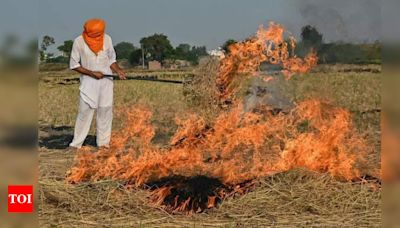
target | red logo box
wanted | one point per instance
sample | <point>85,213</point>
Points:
<point>20,198</point>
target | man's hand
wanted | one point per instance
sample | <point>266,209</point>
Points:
<point>121,74</point>
<point>93,74</point>
<point>97,74</point>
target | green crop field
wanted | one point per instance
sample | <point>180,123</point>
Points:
<point>295,198</point>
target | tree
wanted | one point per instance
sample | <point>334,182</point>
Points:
<point>135,57</point>
<point>189,53</point>
<point>124,50</point>
<point>182,51</point>
<point>196,53</point>
<point>350,53</point>
<point>228,43</point>
<point>311,38</point>
<point>46,42</point>
<point>157,46</point>
<point>66,48</point>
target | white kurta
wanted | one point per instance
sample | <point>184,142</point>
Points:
<point>90,88</point>
<point>94,94</point>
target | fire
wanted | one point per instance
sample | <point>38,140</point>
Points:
<point>269,46</point>
<point>206,163</point>
<point>237,148</point>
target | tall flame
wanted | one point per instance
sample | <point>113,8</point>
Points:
<point>269,46</point>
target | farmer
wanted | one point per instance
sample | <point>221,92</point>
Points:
<point>93,56</point>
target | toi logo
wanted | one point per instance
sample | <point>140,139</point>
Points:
<point>20,198</point>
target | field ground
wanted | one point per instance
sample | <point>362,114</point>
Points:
<point>296,198</point>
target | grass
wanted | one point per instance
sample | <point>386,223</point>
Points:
<point>58,105</point>
<point>296,198</point>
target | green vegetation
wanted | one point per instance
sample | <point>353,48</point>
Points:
<point>124,49</point>
<point>338,52</point>
<point>188,53</point>
<point>227,43</point>
<point>155,47</point>
<point>310,37</point>
<point>47,41</point>
<point>66,48</point>
<point>158,47</point>
<point>350,53</point>
<point>334,52</point>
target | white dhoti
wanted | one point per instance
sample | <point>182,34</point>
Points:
<point>104,113</point>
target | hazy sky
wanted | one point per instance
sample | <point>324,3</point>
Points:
<point>199,22</point>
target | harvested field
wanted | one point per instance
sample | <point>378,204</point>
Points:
<point>293,198</point>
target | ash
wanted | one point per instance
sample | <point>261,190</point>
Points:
<point>267,94</point>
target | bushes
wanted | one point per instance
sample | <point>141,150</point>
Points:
<point>350,53</point>
<point>58,59</point>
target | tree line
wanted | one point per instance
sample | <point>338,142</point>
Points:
<point>155,47</point>
<point>158,47</point>
<point>332,52</point>
<point>339,52</point>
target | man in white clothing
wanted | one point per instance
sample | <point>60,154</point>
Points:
<point>93,56</point>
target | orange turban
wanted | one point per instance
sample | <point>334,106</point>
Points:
<point>93,34</point>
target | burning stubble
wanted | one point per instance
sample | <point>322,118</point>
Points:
<point>268,46</point>
<point>207,162</point>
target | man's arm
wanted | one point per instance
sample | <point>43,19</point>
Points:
<point>75,64</point>
<point>113,60</point>
<point>93,74</point>
<point>121,74</point>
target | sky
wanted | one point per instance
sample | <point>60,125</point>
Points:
<point>197,22</point>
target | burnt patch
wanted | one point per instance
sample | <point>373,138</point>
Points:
<point>178,194</point>
<point>59,138</point>
<point>186,195</point>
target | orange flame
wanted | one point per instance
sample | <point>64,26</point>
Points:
<point>238,147</point>
<point>269,46</point>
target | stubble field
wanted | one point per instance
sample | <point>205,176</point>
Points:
<point>297,198</point>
